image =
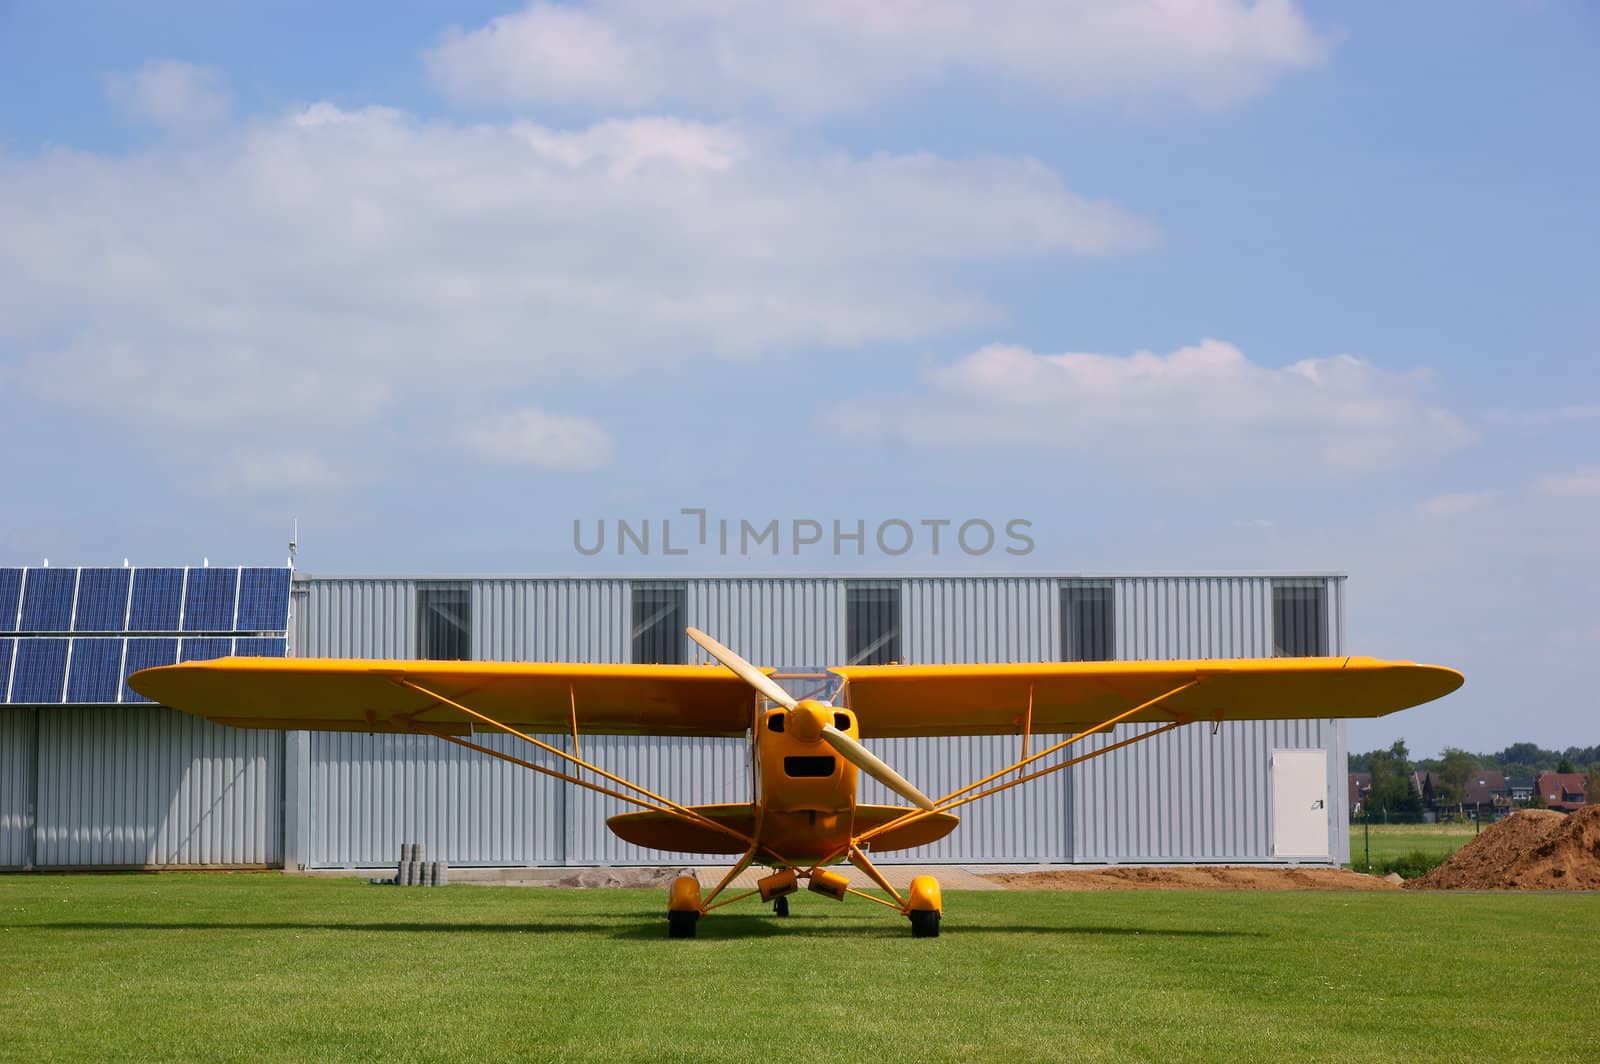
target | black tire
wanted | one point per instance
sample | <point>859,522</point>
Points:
<point>681,925</point>
<point>924,924</point>
<point>781,907</point>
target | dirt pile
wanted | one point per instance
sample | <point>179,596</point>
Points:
<point>1534,849</point>
<point>1190,877</point>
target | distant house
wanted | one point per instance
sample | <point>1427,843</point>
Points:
<point>1426,784</point>
<point>1521,792</point>
<point>1561,790</point>
<point>1485,791</point>
<point>1359,783</point>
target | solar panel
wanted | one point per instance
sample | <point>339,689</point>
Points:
<point>5,667</point>
<point>146,654</point>
<point>47,600</point>
<point>102,600</point>
<point>208,604</point>
<point>263,600</point>
<point>10,595</point>
<point>96,670</point>
<point>40,670</point>
<point>206,649</point>
<point>274,647</point>
<point>157,598</point>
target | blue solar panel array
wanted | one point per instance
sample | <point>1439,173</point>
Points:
<point>10,598</point>
<point>96,670</point>
<point>157,600</point>
<point>130,619</point>
<point>211,599</point>
<point>47,600</point>
<point>146,654</point>
<point>39,673</point>
<point>263,600</point>
<point>102,600</point>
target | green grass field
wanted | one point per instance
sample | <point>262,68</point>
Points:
<point>1396,840</point>
<point>264,966</point>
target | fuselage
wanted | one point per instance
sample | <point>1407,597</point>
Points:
<point>805,791</point>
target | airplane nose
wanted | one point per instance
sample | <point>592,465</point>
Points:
<point>807,720</point>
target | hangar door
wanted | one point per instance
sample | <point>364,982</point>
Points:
<point>1300,803</point>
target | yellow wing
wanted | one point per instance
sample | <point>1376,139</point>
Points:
<point>317,694</point>
<point>906,700</point>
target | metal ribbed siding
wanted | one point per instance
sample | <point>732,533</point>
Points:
<point>1185,796</point>
<point>145,786</point>
<point>980,619</point>
<point>1027,823</point>
<point>962,621</point>
<point>1188,795</point>
<point>550,620</point>
<point>785,623</point>
<point>370,793</point>
<point>366,794</point>
<point>695,770</point>
<point>354,619</point>
<point>17,726</point>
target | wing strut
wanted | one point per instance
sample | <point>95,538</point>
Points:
<point>655,802</point>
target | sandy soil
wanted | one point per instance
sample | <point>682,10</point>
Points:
<point>1534,849</point>
<point>1193,877</point>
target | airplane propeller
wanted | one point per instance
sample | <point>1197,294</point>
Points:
<point>811,720</point>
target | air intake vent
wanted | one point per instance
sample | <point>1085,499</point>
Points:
<point>809,767</point>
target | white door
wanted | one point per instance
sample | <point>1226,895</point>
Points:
<point>1300,803</point>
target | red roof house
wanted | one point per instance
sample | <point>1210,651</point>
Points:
<point>1560,790</point>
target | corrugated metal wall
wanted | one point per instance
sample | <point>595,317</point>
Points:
<point>1190,795</point>
<point>1184,796</point>
<point>963,620</point>
<point>148,787</point>
<point>17,746</point>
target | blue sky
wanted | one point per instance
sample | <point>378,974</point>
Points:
<point>1201,286</point>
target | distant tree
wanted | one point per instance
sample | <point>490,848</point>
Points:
<point>1522,753</point>
<point>1565,766</point>
<point>1536,801</point>
<point>1581,755</point>
<point>1454,769</point>
<point>1591,785</point>
<point>1518,770</point>
<point>1391,791</point>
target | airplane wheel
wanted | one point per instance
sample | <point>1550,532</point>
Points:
<point>681,924</point>
<point>924,924</point>
<point>780,907</point>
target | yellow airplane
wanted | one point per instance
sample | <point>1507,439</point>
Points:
<point>804,817</point>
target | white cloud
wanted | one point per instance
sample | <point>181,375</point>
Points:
<point>170,94</point>
<point>327,266</point>
<point>252,471</point>
<point>1577,484</point>
<point>1455,504</point>
<point>1546,416</point>
<point>819,56</point>
<point>1200,407</point>
<point>539,438</point>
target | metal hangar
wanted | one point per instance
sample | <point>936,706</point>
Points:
<point>93,775</point>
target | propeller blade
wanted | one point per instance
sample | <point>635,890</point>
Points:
<point>874,766</point>
<point>747,672</point>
